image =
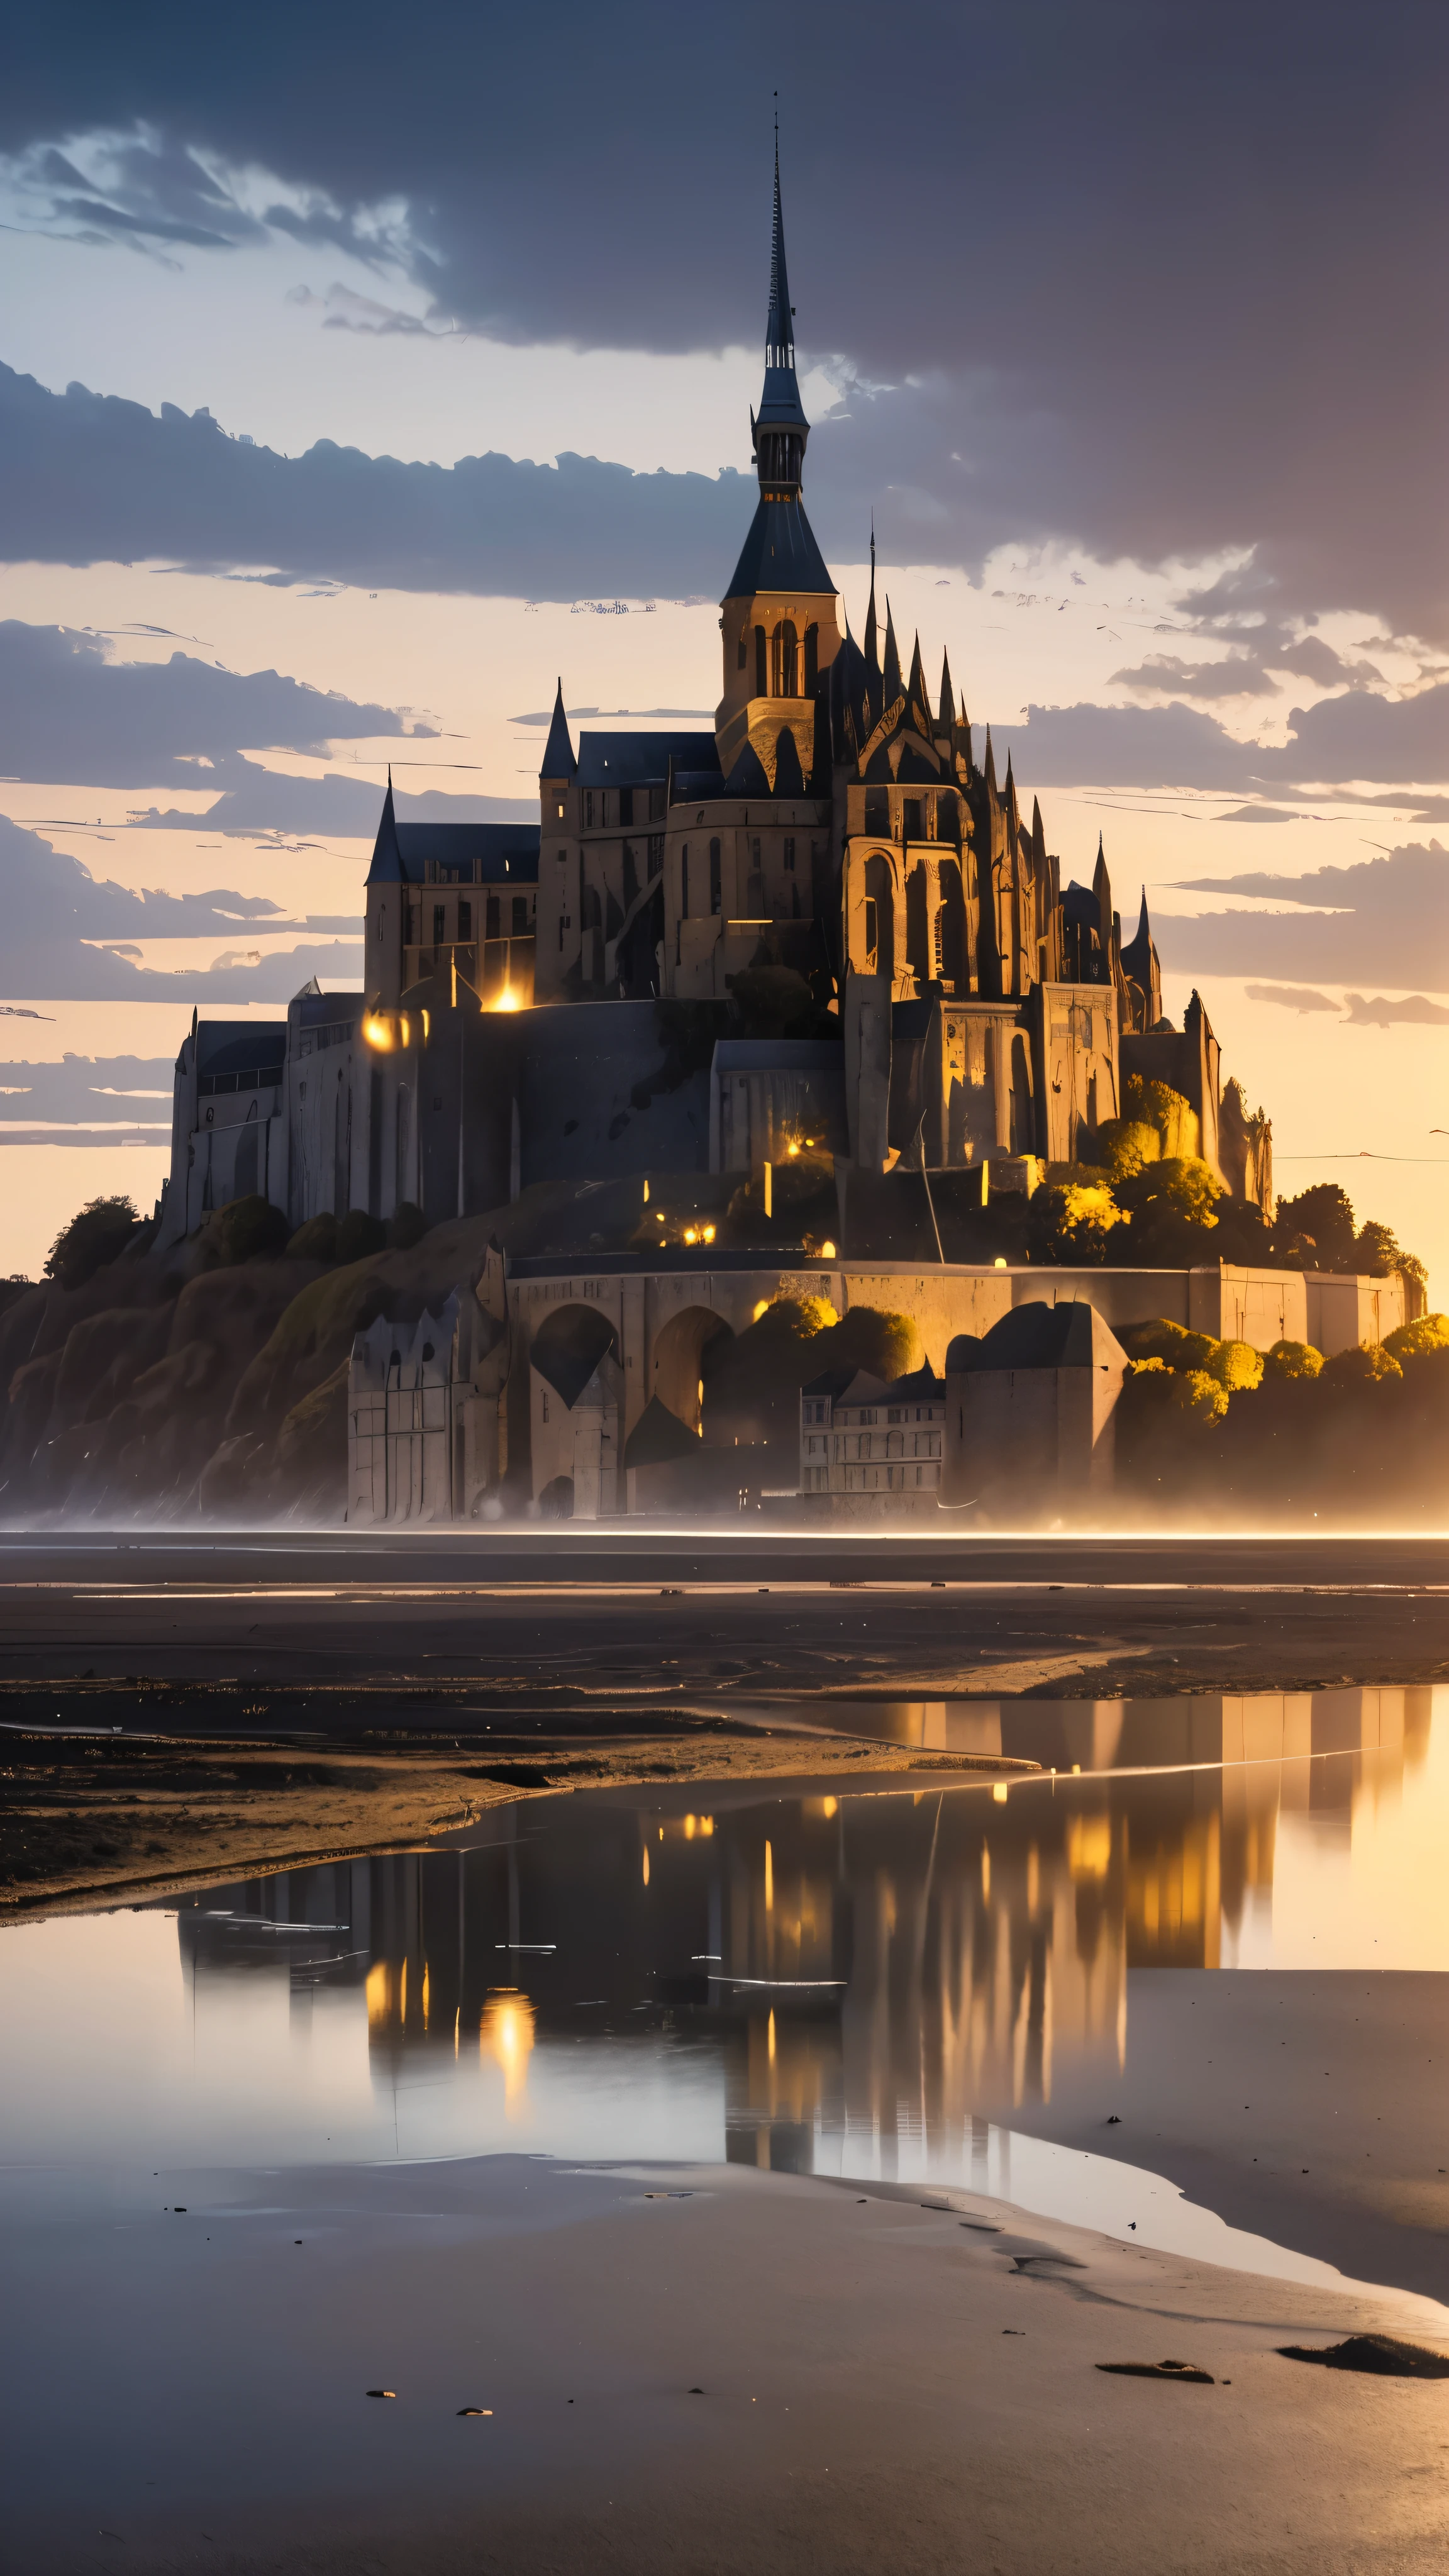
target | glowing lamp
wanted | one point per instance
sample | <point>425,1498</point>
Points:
<point>507,1000</point>
<point>827,1252</point>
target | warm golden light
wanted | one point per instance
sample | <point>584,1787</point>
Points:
<point>506,2035</point>
<point>827,1251</point>
<point>999,1793</point>
<point>378,1997</point>
<point>762,1308</point>
<point>646,1868</point>
<point>769,1879</point>
<point>709,1234</point>
<point>792,1151</point>
<point>770,2039</point>
<point>508,1000</point>
<point>690,1234</point>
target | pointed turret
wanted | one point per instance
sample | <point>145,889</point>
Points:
<point>892,673</point>
<point>1140,963</point>
<point>387,867</point>
<point>989,765</point>
<point>946,710</point>
<point>1102,890</point>
<point>919,699</point>
<point>558,751</point>
<point>781,429</point>
<point>872,651</point>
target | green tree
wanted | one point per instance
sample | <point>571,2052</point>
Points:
<point>101,1230</point>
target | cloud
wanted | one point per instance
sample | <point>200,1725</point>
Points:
<point>273,800</point>
<point>52,908</point>
<point>1389,918</point>
<point>87,478</point>
<point>1380,1014</point>
<point>72,715</point>
<point>124,1090</point>
<point>1293,997</point>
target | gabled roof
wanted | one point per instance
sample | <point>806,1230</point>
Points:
<point>830,1382</point>
<point>863,1388</point>
<point>642,759</point>
<point>558,751</point>
<point>780,553</point>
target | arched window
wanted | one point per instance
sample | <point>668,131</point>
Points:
<point>812,659</point>
<point>787,660</point>
<point>744,647</point>
<point>880,918</point>
<point>761,678</point>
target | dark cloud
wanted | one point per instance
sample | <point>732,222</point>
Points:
<point>53,907</point>
<point>1239,674</point>
<point>1172,277</point>
<point>1346,738</point>
<point>273,800</point>
<point>1292,997</point>
<point>72,715</point>
<point>1389,919</point>
<point>124,1090</point>
<point>86,478</point>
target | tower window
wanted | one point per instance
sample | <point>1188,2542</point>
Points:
<point>915,829</point>
<point>561,855</point>
<point>812,659</point>
<point>787,660</point>
<point>878,809</point>
<point>440,924</point>
<point>410,932</point>
<point>465,920</point>
<point>715,878</point>
<point>560,809</point>
<point>626,804</point>
<point>761,675</point>
<point>520,916</point>
<point>790,852</point>
<point>744,653</point>
<point>588,809</point>
<point>491,918</point>
<point>684,883</point>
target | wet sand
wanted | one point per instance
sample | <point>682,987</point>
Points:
<point>768,2373</point>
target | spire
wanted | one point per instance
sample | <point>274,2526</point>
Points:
<point>989,764</point>
<point>871,651</point>
<point>780,432</point>
<point>946,713</point>
<point>1102,889</point>
<point>558,751</point>
<point>919,701</point>
<point>387,866</point>
<point>892,662</point>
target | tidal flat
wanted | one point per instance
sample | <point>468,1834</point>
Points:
<point>761,2167</point>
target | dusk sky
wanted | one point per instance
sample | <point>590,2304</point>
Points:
<point>365,370</point>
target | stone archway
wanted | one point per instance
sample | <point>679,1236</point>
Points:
<point>676,1361</point>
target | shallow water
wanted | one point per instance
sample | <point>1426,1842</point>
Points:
<point>887,1980</point>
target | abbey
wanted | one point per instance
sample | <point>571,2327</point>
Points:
<point>546,1004</point>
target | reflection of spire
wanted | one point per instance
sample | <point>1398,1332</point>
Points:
<point>506,2035</point>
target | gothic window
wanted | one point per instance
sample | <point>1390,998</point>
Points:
<point>440,922</point>
<point>948,820</point>
<point>491,921</point>
<point>761,681</point>
<point>787,660</point>
<point>716,888</point>
<point>880,918</point>
<point>379,925</point>
<point>465,921</point>
<point>626,804</point>
<point>520,916</point>
<point>878,810</point>
<point>812,659</point>
<point>790,853</point>
<point>915,829</point>
<point>955,963</point>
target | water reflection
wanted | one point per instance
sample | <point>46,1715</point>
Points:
<point>869,1979</point>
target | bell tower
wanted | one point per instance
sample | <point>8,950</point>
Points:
<point>778,621</point>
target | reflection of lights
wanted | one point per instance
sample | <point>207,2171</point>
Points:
<point>999,1793</point>
<point>425,1994</point>
<point>506,2035</point>
<point>384,1030</point>
<point>697,1825</point>
<point>709,1234</point>
<point>691,1234</point>
<point>770,2038</point>
<point>985,1875</point>
<point>377,1995</point>
<point>646,1868</point>
<point>1089,1846</point>
<point>769,1878</point>
<point>792,1151</point>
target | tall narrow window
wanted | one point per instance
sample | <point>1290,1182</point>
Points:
<point>626,804</point>
<point>716,891</point>
<point>744,653</point>
<point>491,925</point>
<point>787,660</point>
<point>790,853</point>
<point>684,883</point>
<point>812,659</point>
<point>440,918</point>
<point>465,920</point>
<point>520,916</point>
<point>915,829</point>
<point>588,809</point>
<point>761,674</point>
<point>656,853</point>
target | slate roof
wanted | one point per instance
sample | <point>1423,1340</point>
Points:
<point>780,553</point>
<point>637,759</point>
<point>558,752</point>
<point>922,1386</point>
<point>500,853</point>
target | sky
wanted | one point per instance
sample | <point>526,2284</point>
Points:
<point>360,377</point>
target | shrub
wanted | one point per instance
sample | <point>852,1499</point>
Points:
<point>316,1240</point>
<point>1125,1144</point>
<point>1363,1365</point>
<point>1070,1221</point>
<point>359,1235</point>
<point>1170,1345</point>
<point>1157,1105</point>
<point>1292,1360</point>
<point>245,1229</point>
<point>1411,1341</point>
<point>406,1227</point>
<point>1235,1365</point>
<point>1180,1187</point>
<point>102,1229</point>
<point>1198,1398</point>
<point>872,1338</point>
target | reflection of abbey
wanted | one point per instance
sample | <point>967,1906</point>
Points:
<point>576,1007</point>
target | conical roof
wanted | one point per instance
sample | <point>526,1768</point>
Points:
<point>558,751</point>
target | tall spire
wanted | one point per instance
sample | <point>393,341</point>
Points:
<point>387,866</point>
<point>892,662</point>
<point>946,712</point>
<point>781,429</point>
<point>872,649</point>
<point>920,703</point>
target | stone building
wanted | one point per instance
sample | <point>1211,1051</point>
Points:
<point>1030,1410</point>
<point>862,1435</point>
